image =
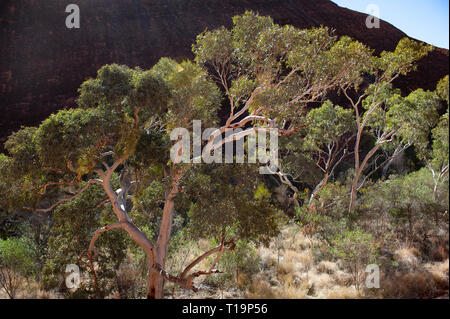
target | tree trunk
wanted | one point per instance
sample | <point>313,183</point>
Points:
<point>354,192</point>
<point>318,188</point>
<point>155,283</point>
<point>359,169</point>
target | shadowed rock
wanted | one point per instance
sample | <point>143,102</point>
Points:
<point>42,63</point>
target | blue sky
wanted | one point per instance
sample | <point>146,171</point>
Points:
<point>426,20</point>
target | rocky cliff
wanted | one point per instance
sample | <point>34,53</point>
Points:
<point>42,63</point>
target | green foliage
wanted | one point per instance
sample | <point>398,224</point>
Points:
<point>229,198</point>
<point>214,46</point>
<point>16,261</point>
<point>76,136</point>
<point>17,253</point>
<point>237,266</point>
<point>69,241</point>
<point>21,171</point>
<point>439,158</point>
<point>440,152</point>
<point>194,96</point>
<point>357,250</point>
<point>414,116</point>
<point>279,62</point>
<point>407,206</point>
<point>262,192</point>
<point>411,118</point>
<point>21,147</point>
<point>355,247</point>
<point>152,196</point>
<point>241,88</point>
<point>403,59</point>
<point>124,89</point>
<point>152,148</point>
<point>327,125</point>
<point>442,89</point>
<point>327,215</point>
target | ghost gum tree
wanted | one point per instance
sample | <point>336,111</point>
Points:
<point>325,142</point>
<point>438,159</point>
<point>268,75</point>
<point>380,110</point>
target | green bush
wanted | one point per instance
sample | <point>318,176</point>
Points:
<point>238,266</point>
<point>405,208</point>
<point>327,216</point>
<point>16,261</point>
<point>357,250</point>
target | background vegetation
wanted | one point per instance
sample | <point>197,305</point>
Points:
<point>359,182</point>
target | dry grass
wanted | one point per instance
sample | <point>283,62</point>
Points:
<point>408,257</point>
<point>295,266</point>
<point>298,275</point>
<point>291,268</point>
<point>340,292</point>
<point>327,267</point>
<point>440,273</point>
<point>32,290</point>
<point>127,278</point>
<point>408,285</point>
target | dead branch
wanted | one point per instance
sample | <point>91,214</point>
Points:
<point>46,210</point>
<point>207,254</point>
<point>186,281</point>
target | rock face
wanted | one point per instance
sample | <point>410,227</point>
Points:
<point>42,63</point>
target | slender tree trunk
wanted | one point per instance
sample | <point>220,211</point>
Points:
<point>354,191</point>
<point>435,188</point>
<point>318,188</point>
<point>155,284</point>
<point>359,169</point>
<point>137,235</point>
<point>354,188</point>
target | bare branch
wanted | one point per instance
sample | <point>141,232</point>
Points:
<point>65,200</point>
<point>207,254</point>
<point>45,186</point>
<point>97,234</point>
<point>107,153</point>
<point>186,282</point>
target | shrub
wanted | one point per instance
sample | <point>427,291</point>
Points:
<point>239,264</point>
<point>357,250</point>
<point>404,209</point>
<point>127,277</point>
<point>16,261</point>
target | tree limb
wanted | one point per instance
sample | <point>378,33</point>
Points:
<point>46,210</point>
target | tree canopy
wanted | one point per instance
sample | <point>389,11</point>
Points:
<point>106,165</point>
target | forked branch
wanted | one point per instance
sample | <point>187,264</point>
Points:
<point>186,281</point>
<point>65,200</point>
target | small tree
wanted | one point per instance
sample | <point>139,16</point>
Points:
<point>16,262</point>
<point>379,109</point>
<point>358,250</point>
<point>330,130</point>
<point>404,206</point>
<point>439,162</point>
